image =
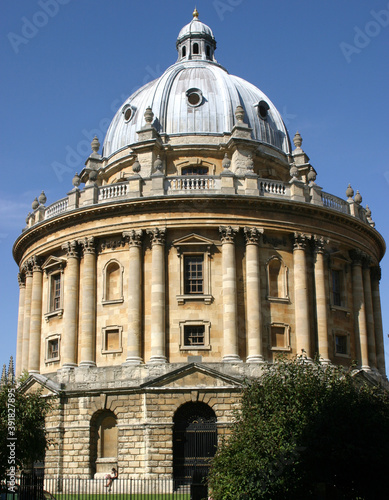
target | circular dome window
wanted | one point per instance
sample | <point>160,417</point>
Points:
<point>128,112</point>
<point>263,108</point>
<point>194,97</point>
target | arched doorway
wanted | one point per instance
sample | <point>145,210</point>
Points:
<point>194,442</point>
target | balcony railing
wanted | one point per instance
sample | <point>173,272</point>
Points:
<point>190,185</point>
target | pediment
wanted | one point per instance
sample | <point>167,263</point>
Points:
<point>192,239</point>
<point>52,263</point>
<point>37,382</point>
<point>194,376</point>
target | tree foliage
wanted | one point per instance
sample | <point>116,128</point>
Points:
<point>28,433</point>
<point>305,429</point>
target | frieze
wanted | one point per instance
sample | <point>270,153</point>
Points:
<point>273,241</point>
<point>111,244</point>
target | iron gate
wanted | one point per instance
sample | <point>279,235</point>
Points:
<point>194,443</point>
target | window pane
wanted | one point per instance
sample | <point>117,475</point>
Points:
<point>336,288</point>
<point>55,292</point>
<point>341,344</point>
<point>194,335</point>
<point>52,350</point>
<point>193,274</point>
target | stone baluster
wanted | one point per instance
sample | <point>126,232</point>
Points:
<point>88,297</point>
<point>134,238</point>
<point>301,299</point>
<point>369,312</point>
<point>71,294</point>
<point>230,313</point>
<point>19,342</point>
<point>36,318</point>
<point>253,296</point>
<point>360,325</point>
<point>321,299</point>
<point>27,315</point>
<point>158,301</point>
<point>379,335</point>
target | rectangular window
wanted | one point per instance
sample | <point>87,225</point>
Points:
<point>194,335</point>
<point>341,344</point>
<point>112,339</point>
<point>279,337</point>
<point>53,349</point>
<point>336,288</point>
<point>55,292</point>
<point>193,274</point>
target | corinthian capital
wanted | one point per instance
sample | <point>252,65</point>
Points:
<point>253,235</point>
<point>71,248</point>
<point>88,245</point>
<point>300,241</point>
<point>157,235</point>
<point>375,273</point>
<point>319,244</point>
<point>228,233</point>
<point>134,237</point>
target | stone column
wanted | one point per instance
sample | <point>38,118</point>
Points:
<point>369,313</point>
<point>36,318</point>
<point>253,296</point>
<point>158,301</point>
<point>19,342</point>
<point>302,326</point>
<point>321,300</point>
<point>27,315</point>
<point>379,334</point>
<point>230,312</point>
<point>71,294</point>
<point>134,296</point>
<point>360,325</point>
<point>88,297</point>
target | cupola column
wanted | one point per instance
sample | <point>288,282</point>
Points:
<point>134,296</point>
<point>230,316</point>
<point>321,300</point>
<point>369,313</point>
<point>302,326</point>
<point>88,298</point>
<point>360,326</point>
<point>71,294</point>
<point>27,316</point>
<point>379,335</point>
<point>158,341</point>
<point>36,318</point>
<point>19,342</point>
<point>253,291</point>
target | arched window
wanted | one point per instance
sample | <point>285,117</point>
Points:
<point>277,279</point>
<point>113,282</point>
<point>195,48</point>
<point>183,51</point>
<point>208,51</point>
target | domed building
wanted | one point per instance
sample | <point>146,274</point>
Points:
<point>195,248</point>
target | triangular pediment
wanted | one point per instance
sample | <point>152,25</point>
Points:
<point>53,263</point>
<point>192,239</point>
<point>194,376</point>
<point>37,382</point>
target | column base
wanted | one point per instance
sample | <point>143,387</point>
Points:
<point>232,358</point>
<point>365,368</point>
<point>254,358</point>
<point>32,372</point>
<point>69,366</point>
<point>88,364</point>
<point>133,360</point>
<point>157,360</point>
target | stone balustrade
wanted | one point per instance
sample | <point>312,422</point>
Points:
<point>190,185</point>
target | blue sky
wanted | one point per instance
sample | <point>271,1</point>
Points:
<point>67,65</point>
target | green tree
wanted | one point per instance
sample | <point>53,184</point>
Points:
<point>304,429</point>
<point>22,419</point>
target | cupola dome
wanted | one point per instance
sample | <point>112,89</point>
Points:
<point>196,41</point>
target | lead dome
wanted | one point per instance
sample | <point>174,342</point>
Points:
<point>197,96</point>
